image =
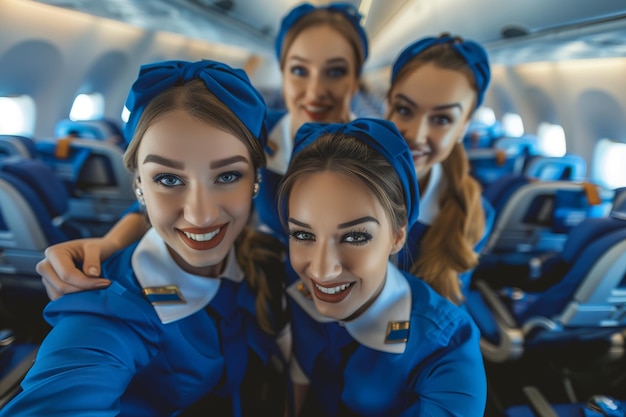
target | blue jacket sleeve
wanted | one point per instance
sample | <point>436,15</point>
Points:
<point>86,362</point>
<point>452,382</point>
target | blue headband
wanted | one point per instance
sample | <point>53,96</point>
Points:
<point>381,135</point>
<point>231,86</point>
<point>346,9</point>
<point>474,55</point>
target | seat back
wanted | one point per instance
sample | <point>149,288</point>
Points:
<point>537,215</point>
<point>489,164</point>
<point>95,175</point>
<point>32,201</point>
<point>568,167</point>
<point>99,129</point>
<point>14,145</point>
<point>593,291</point>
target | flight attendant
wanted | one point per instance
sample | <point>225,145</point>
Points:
<point>436,85</point>
<point>191,319</point>
<point>368,338</point>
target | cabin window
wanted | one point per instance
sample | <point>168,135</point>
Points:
<point>17,115</point>
<point>608,163</point>
<point>512,125</point>
<point>87,107</point>
<point>551,139</point>
<point>485,115</point>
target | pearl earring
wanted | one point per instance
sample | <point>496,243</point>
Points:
<point>140,198</point>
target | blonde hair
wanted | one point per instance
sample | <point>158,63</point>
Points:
<point>447,247</point>
<point>260,256</point>
<point>332,19</point>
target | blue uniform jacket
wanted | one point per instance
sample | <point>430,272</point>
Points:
<point>108,354</point>
<point>440,372</point>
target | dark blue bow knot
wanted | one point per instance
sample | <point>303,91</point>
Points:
<point>346,9</point>
<point>474,54</point>
<point>384,137</point>
<point>230,85</point>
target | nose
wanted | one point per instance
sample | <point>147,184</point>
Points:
<point>419,132</point>
<point>201,206</point>
<point>315,87</point>
<point>325,264</point>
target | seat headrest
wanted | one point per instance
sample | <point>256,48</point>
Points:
<point>43,181</point>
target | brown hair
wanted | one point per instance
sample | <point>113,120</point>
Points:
<point>332,19</point>
<point>351,157</point>
<point>260,256</point>
<point>447,247</point>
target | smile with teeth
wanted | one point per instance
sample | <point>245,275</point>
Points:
<point>316,109</point>
<point>333,290</point>
<point>202,237</point>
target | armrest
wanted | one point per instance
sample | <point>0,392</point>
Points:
<point>511,344</point>
<point>10,382</point>
<point>539,404</point>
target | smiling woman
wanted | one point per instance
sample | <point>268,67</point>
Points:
<point>199,293</point>
<point>368,339</point>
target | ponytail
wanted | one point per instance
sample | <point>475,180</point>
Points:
<point>447,248</point>
<point>262,259</point>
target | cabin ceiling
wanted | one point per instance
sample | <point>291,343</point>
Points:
<point>550,29</point>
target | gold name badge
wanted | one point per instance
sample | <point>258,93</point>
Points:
<point>168,294</point>
<point>397,332</point>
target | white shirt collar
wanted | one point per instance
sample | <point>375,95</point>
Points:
<point>429,200</point>
<point>370,328</point>
<point>281,137</point>
<point>154,267</point>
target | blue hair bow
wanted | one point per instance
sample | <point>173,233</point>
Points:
<point>474,54</point>
<point>384,137</point>
<point>231,86</point>
<point>346,9</point>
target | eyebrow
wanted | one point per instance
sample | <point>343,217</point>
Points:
<point>442,107</point>
<point>180,165</point>
<point>163,161</point>
<point>354,222</point>
<point>220,163</point>
<point>331,61</point>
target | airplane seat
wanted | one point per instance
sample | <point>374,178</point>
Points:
<point>33,212</point>
<point>95,175</point>
<point>518,145</point>
<point>16,358</point>
<point>99,129</point>
<point>534,217</point>
<point>482,135</point>
<point>577,305</point>
<point>568,167</point>
<point>537,404</point>
<point>489,164</point>
<point>12,145</point>
<point>619,203</point>
<point>506,156</point>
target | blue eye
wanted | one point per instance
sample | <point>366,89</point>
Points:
<point>402,110</point>
<point>337,72</point>
<point>229,177</point>
<point>357,238</point>
<point>442,120</point>
<point>298,71</point>
<point>168,180</point>
<point>301,235</point>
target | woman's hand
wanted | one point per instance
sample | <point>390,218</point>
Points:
<point>60,271</point>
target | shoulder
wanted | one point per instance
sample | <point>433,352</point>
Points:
<point>121,300</point>
<point>436,318</point>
